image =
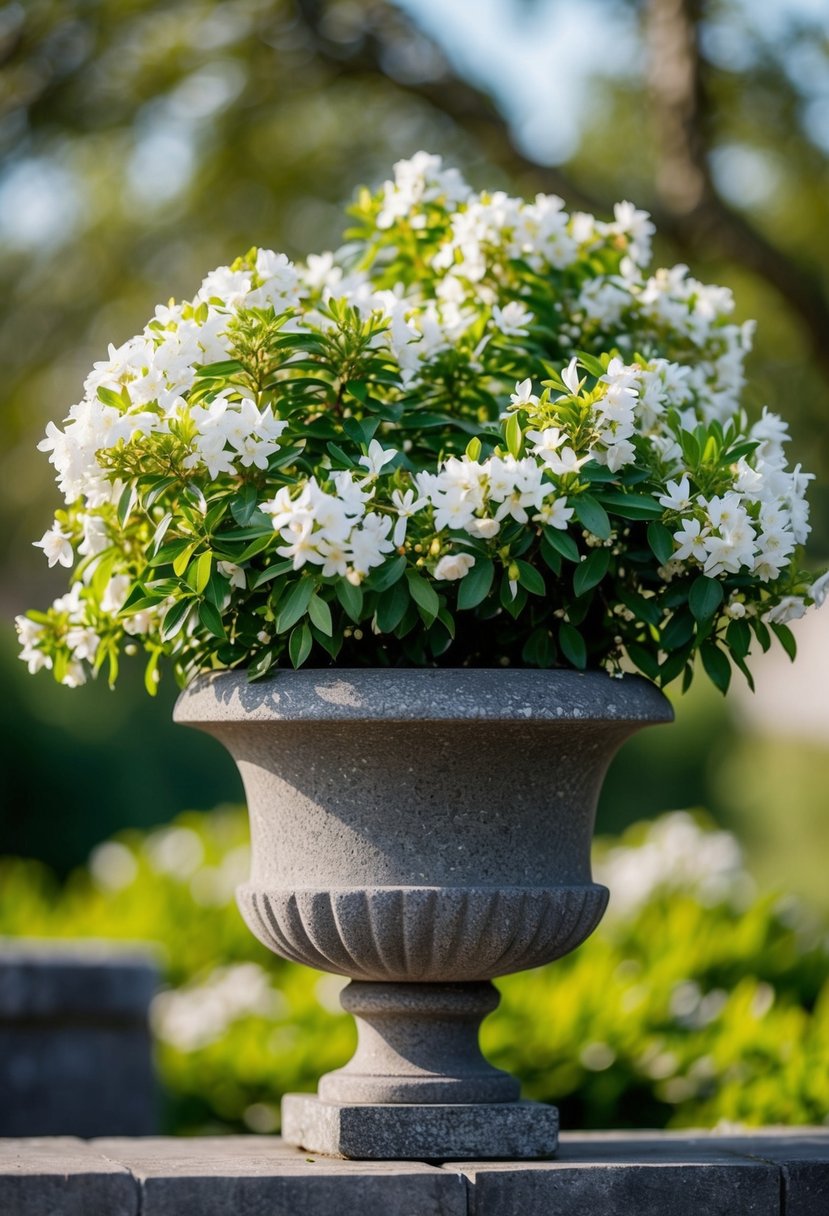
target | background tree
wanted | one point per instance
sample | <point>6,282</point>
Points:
<point>143,142</point>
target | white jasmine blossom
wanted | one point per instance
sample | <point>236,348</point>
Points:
<point>377,458</point>
<point>454,566</point>
<point>57,546</point>
<point>819,590</point>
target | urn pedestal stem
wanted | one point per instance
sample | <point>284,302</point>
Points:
<point>418,1043</point>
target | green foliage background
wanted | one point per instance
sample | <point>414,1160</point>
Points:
<point>697,1000</point>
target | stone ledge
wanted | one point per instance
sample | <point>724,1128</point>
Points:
<point>774,1172</point>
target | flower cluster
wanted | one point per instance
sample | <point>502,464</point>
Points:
<point>480,433</point>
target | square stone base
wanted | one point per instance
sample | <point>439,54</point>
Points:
<point>486,1131</point>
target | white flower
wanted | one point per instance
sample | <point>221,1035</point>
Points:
<point>454,566</point>
<point>512,320</point>
<point>370,542</point>
<point>485,528</point>
<point>57,546</point>
<point>75,675</point>
<point>637,226</point>
<point>819,589</point>
<point>678,497</point>
<point>523,395</point>
<point>406,505</point>
<point>790,608</point>
<point>555,513</point>
<point>377,458</point>
<point>564,462</point>
<point>235,574</point>
<point>570,376</point>
<point>690,541</point>
<point>83,643</point>
<point>547,442</point>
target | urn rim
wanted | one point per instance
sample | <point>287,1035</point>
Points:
<point>411,694</point>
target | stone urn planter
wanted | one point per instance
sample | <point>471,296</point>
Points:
<point>421,831</point>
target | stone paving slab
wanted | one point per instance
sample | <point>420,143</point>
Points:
<point>615,1176</point>
<point>62,1176</point>
<point>775,1172</point>
<point>262,1176</point>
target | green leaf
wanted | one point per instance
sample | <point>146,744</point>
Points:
<point>389,573</point>
<point>690,448</point>
<point>739,449</point>
<point>175,618</point>
<point>644,659</point>
<point>211,618</point>
<point>243,504</point>
<point>674,664</point>
<point>150,673</point>
<point>661,542</point>
<point>738,637</point>
<point>391,607</point>
<point>716,664</point>
<point>271,572</point>
<point>590,363</point>
<point>644,609</point>
<point>294,605</point>
<point>563,543</point>
<point>256,546</point>
<point>786,638</point>
<point>160,532</point>
<point>342,460</point>
<point>678,631</point>
<point>551,557</point>
<point>299,644</point>
<point>225,367</point>
<point>591,571</point>
<point>741,663</point>
<point>156,489</point>
<point>126,503</point>
<point>109,397</point>
<point>631,506</point>
<point>513,435</point>
<point>198,574</point>
<point>475,587</point>
<point>572,645</point>
<point>538,649</point>
<point>260,666</point>
<point>761,633</point>
<point>531,578</point>
<point>592,514</point>
<point>423,594</point>
<point>351,599</point>
<point>473,448</point>
<point>320,614</point>
<point>182,561</point>
<point>332,645</point>
<point>705,597</point>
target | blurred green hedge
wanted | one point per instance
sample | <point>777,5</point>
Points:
<point>697,1001</point>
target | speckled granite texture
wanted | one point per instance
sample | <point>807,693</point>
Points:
<point>421,829</point>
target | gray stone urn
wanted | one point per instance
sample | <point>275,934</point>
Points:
<point>421,831</point>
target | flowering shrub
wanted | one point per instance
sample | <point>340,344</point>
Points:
<point>696,1000</point>
<point>480,433</point>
